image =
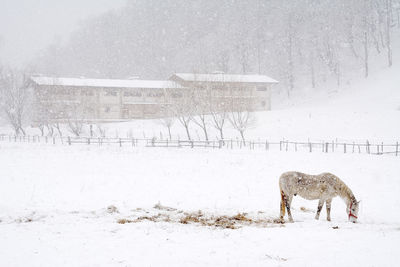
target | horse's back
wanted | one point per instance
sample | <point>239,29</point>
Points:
<point>307,185</point>
<point>287,178</point>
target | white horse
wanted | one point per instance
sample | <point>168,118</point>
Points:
<point>324,187</point>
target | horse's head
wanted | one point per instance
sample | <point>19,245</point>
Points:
<point>352,210</point>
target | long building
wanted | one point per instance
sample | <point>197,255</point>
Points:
<point>117,100</point>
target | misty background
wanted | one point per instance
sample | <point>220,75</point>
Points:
<point>27,26</point>
<point>302,43</point>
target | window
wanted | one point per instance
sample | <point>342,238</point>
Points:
<point>110,93</point>
<point>86,93</point>
<point>107,109</point>
<point>263,103</point>
<point>176,95</point>
<point>132,94</point>
<point>63,91</point>
<point>155,94</point>
<point>261,88</point>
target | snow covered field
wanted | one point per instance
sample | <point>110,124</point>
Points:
<point>63,205</point>
<point>54,200</point>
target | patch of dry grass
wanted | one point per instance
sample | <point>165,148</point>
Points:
<point>171,215</point>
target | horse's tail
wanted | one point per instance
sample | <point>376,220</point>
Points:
<point>282,204</point>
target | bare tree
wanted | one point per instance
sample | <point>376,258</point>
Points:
<point>180,104</point>
<point>168,114</point>
<point>15,99</point>
<point>201,108</point>
<point>57,125</point>
<point>219,107</point>
<point>43,113</point>
<point>102,130</point>
<point>242,117</point>
<point>168,122</point>
<point>76,119</point>
<point>183,113</point>
<point>223,61</point>
<point>388,12</point>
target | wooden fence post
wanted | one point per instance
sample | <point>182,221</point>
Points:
<point>344,148</point>
<point>397,148</point>
<point>69,140</point>
<point>367,147</point>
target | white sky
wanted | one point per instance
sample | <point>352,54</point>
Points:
<point>26,26</point>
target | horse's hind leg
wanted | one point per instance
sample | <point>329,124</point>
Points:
<point>320,204</point>
<point>328,209</point>
<point>288,201</point>
<point>282,213</point>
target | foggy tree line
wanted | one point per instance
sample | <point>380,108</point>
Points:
<point>300,43</point>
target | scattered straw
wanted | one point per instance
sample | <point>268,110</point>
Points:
<point>171,215</point>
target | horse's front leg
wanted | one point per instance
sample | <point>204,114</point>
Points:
<point>328,209</point>
<point>320,204</point>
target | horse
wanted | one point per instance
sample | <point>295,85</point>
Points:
<point>324,187</point>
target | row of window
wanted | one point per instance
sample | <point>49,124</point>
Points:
<point>113,93</point>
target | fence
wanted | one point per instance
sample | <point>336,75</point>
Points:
<point>284,145</point>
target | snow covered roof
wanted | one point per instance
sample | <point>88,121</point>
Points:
<point>221,77</point>
<point>106,83</point>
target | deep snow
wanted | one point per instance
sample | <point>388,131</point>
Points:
<point>53,202</point>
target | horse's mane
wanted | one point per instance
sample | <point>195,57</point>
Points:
<point>345,191</point>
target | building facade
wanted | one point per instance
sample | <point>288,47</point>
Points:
<point>93,100</point>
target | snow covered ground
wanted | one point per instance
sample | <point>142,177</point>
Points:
<point>57,202</point>
<point>54,200</point>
